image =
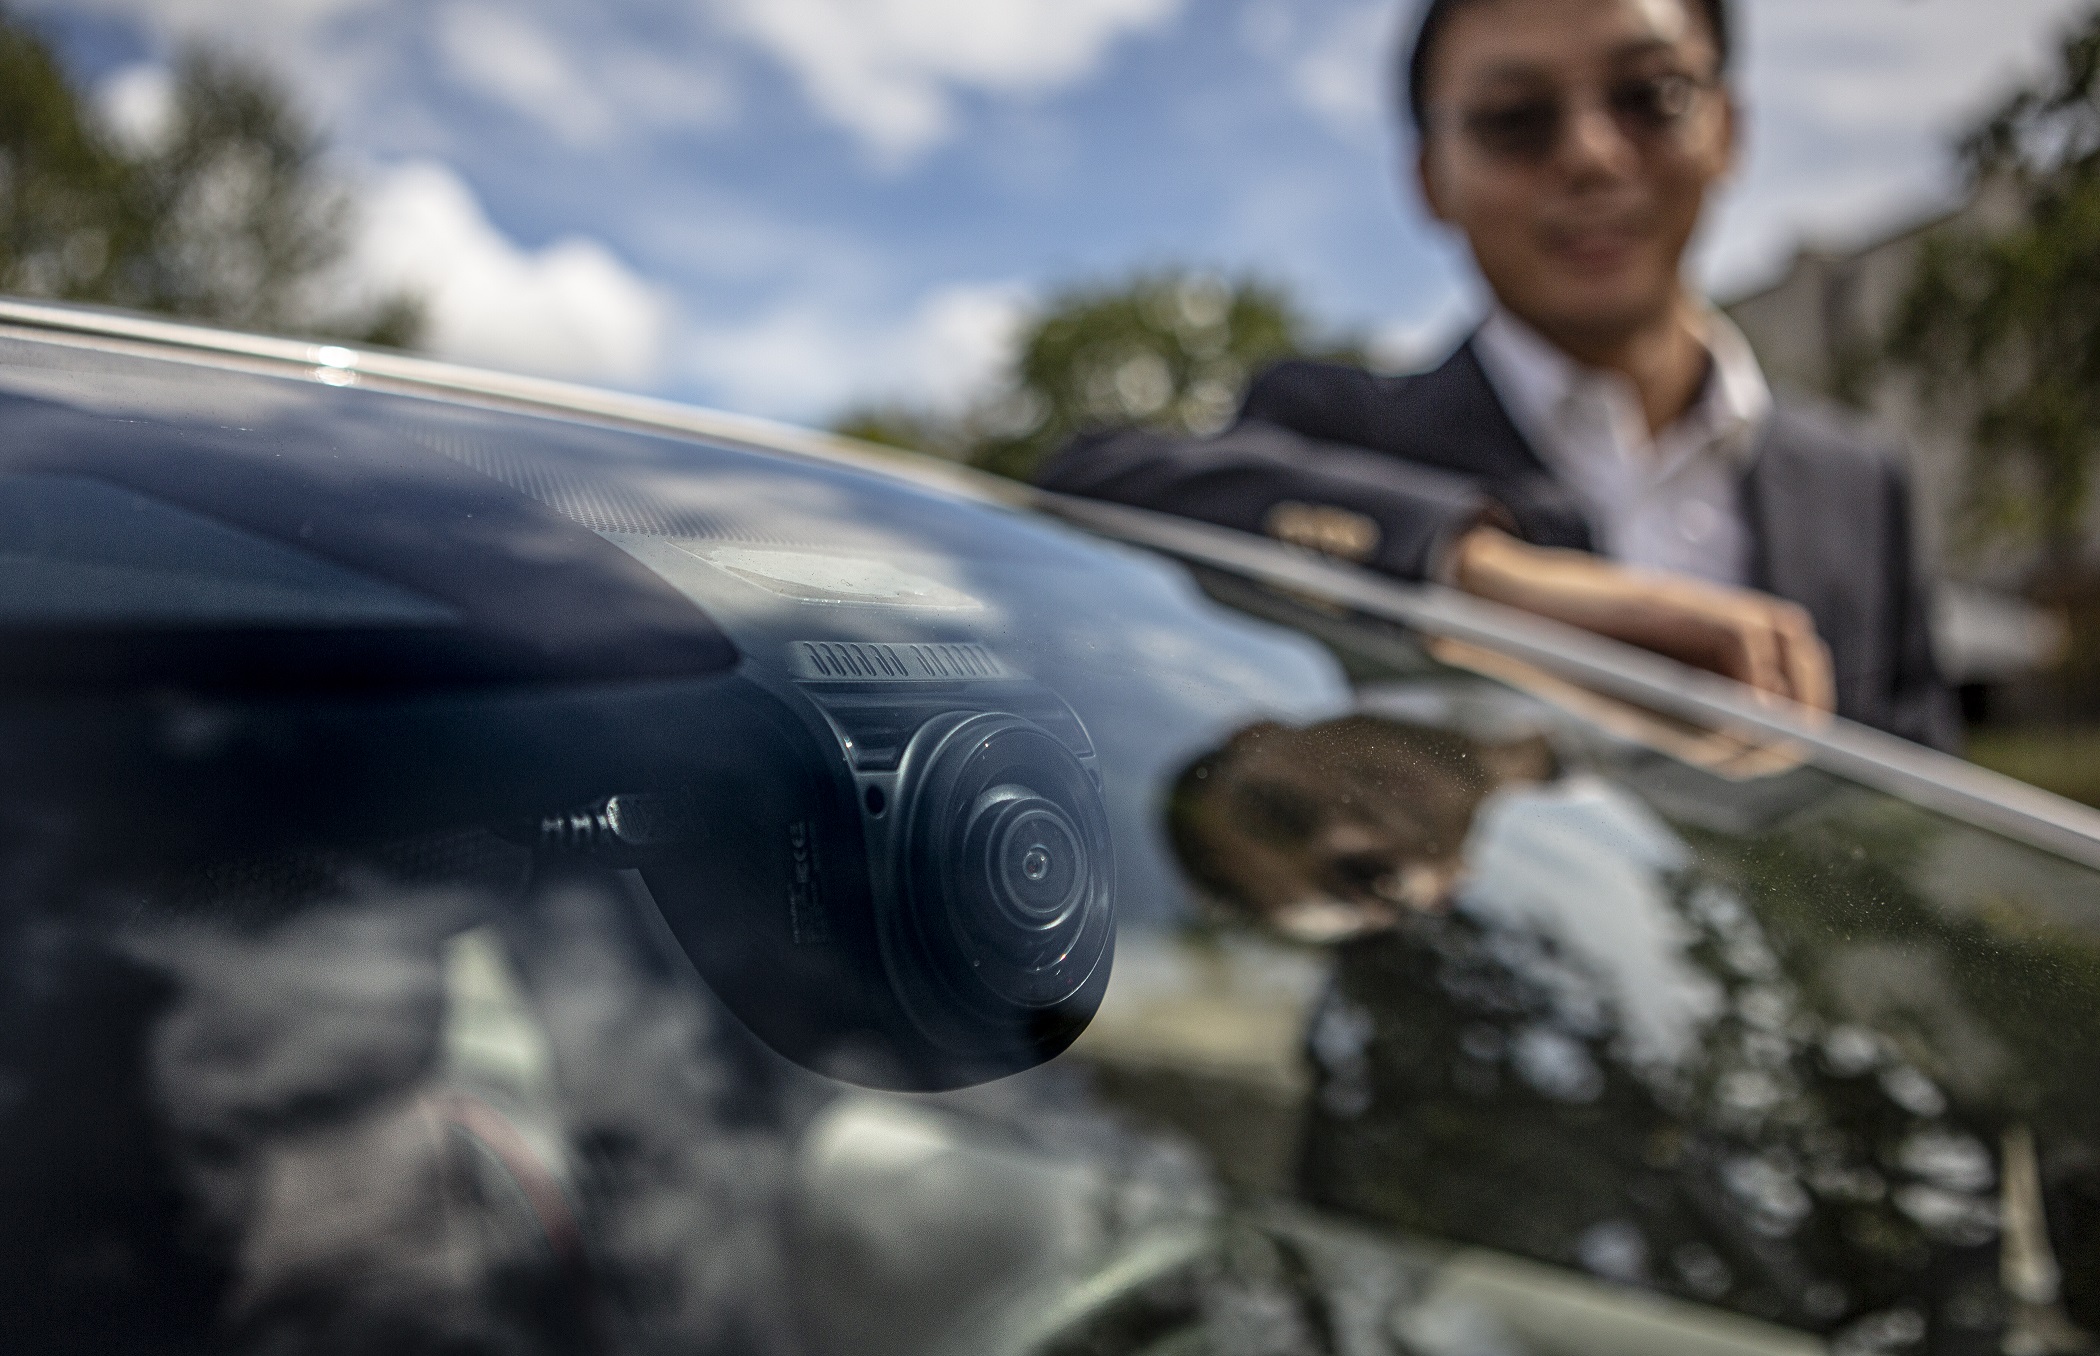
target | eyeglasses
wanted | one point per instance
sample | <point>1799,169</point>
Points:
<point>1647,110</point>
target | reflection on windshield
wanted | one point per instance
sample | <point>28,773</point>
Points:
<point>1330,830</point>
<point>1743,1071</point>
<point>429,1105</point>
<point>1452,1012</point>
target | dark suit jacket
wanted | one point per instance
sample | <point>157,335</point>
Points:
<point>1426,456</point>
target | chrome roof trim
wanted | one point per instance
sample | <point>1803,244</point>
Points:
<point>1919,775</point>
<point>1922,776</point>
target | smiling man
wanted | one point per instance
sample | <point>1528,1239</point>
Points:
<point>1603,450</point>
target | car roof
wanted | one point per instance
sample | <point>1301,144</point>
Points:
<point>1921,776</point>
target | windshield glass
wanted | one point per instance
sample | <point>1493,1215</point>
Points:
<point>740,903</point>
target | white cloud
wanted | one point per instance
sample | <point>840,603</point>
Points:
<point>667,89</point>
<point>887,70</point>
<point>572,309</point>
<point>506,56</point>
<point>138,105</point>
<point>805,359</point>
<point>323,45</point>
<point>588,75</point>
<point>960,339</point>
<point>1851,106</point>
<point>1340,73</point>
<point>584,87</point>
<point>193,18</point>
<point>1871,65</point>
<point>1334,57</point>
<point>1414,345</point>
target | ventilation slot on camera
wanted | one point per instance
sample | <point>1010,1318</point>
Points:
<point>837,661</point>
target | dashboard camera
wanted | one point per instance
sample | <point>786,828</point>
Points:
<point>879,840</point>
<point>893,864</point>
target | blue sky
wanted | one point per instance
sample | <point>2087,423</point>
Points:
<point>787,206</point>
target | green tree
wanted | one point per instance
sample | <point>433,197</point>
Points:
<point>1170,349</point>
<point>913,430</point>
<point>2003,327</point>
<point>229,216</point>
<point>67,218</point>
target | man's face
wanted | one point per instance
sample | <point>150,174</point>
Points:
<point>1573,142</point>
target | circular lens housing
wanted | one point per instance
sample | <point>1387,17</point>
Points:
<point>1005,892</point>
<point>1035,859</point>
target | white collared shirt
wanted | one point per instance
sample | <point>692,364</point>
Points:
<point>1669,501</point>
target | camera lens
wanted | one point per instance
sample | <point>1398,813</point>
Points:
<point>1006,885</point>
<point>1035,864</point>
<point>1039,864</point>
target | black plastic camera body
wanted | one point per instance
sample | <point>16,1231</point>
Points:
<point>895,867</point>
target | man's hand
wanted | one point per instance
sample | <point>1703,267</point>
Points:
<point>1765,642</point>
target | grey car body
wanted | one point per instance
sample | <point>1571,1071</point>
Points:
<point>420,937</point>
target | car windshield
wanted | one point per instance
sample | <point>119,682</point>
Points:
<point>730,901</point>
